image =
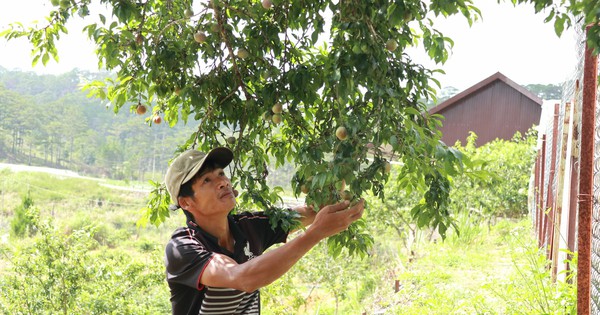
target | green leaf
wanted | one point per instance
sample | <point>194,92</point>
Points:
<point>550,16</point>
<point>559,25</point>
<point>45,58</point>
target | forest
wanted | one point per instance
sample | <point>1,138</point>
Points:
<point>48,120</point>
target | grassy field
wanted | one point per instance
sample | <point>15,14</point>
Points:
<point>481,271</point>
<point>496,271</point>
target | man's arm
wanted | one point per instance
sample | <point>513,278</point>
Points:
<point>223,271</point>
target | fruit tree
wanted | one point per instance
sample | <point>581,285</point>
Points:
<point>325,85</point>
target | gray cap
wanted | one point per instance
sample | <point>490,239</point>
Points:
<point>186,165</point>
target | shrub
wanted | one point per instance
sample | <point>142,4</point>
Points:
<point>25,214</point>
<point>101,231</point>
<point>505,193</point>
<point>59,273</point>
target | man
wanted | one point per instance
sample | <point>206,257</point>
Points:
<point>216,264</point>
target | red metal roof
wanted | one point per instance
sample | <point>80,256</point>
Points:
<point>496,76</point>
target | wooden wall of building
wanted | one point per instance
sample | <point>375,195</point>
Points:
<point>495,108</point>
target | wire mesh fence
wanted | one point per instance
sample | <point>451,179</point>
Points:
<point>565,213</point>
<point>595,241</point>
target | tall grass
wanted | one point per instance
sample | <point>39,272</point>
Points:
<point>485,269</point>
<point>482,270</point>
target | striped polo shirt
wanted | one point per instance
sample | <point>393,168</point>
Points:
<point>189,251</point>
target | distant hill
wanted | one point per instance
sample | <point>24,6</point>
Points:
<point>46,120</point>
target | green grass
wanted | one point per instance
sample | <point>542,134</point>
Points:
<point>74,203</point>
<point>480,271</point>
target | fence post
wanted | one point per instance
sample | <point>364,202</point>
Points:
<point>575,149</point>
<point>551,220</point>
<point>536,194</point>
<point>540,213</point>
<point>563,194</point>
<point>586,174</point>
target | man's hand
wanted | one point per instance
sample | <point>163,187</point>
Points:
<point>307,215</point>
<point>335,218</point>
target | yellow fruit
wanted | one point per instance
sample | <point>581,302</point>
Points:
<point>341,133</point>
<point>304,189</point>
<point>242,53</point>
<point>391,45</point>
<point>277,118</point>
<point>267,4</point>
<point>277,108</point>
<point>387,167</point>
<point>200,37</point>
<point>346,195</point>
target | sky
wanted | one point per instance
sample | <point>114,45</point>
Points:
<point>511,40</point>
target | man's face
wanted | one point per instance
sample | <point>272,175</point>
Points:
<point>212,194</point>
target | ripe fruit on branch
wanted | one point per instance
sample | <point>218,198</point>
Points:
<point>277,119</point>
<point>242,53</point>
<point>140,109</point>
<point>200,37</point>
<point>346,195</point>
<point>304,189</point>
<point>267,4</point>
<point>341,133</point>
<point>156,119</point>
<point>391,45</point>
<point>387,167</point>
<point>277,108</point>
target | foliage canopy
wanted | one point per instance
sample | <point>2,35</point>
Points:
<point>277,78</point>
